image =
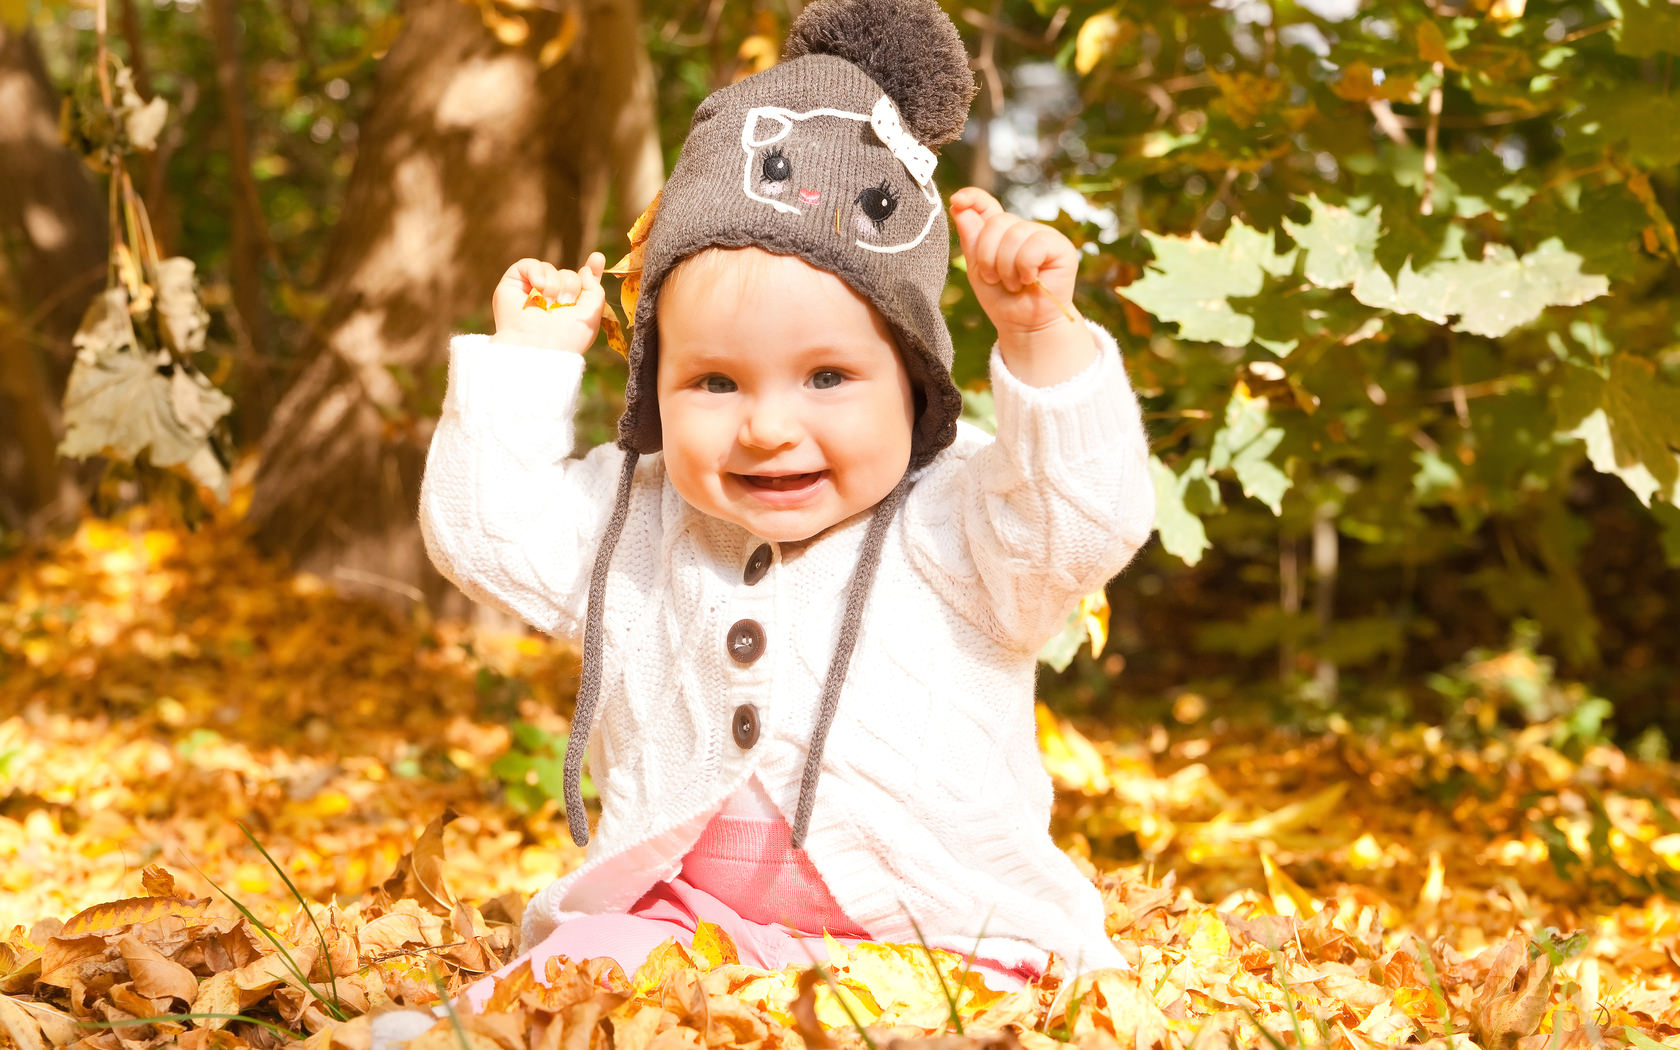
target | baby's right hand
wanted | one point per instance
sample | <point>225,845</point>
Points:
<point>573,311</point>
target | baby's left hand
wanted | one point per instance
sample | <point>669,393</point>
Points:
<point>1022,271</point>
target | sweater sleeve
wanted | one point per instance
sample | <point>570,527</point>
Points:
<point>506,515</point>
<point>1015,531</point>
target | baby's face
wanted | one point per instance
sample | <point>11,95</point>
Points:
<point>785,406</point>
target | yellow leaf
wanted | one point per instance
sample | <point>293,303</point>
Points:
<point>105,917</point>
<point>1208,937</point>
<point>715,946</point>
<point>1093,614</point>
<point>1288,897</point>
<point>614,328</point>
<point>1068,757</point>
<point>663,961</point>
<point>759,51</point>
<point>1100,36</point>
<point>1432,45</point>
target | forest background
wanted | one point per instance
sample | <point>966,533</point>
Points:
<point>1396,281</point>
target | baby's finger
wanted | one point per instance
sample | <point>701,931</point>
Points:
<point>986,245</point>
<point>568,286</point>
<point>1011,273</point>
<point>975,199</point>
<point>595,265</point>
<point>534,275</point>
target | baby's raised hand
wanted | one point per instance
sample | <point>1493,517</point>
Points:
<point>1023,274</point>
<point>538,304</point>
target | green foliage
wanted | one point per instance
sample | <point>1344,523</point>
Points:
<point>532,771</point>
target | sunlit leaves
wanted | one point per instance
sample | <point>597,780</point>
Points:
<point>1489,297</point>
<point>1181,530</point>
<point>1191,281</point>
<point>1245,446</point>
<point>1629,419</point>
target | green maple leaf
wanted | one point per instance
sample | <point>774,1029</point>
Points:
<point>1192,280</point>
<point>1244,446</point>
<point>1491,297</point>
<point>1630,421</point>
<point>1340,243</point>
<point>1181,531</point>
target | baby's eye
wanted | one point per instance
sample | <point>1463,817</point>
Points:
<point>879,202</point>
<point>776,166</point>
<point>718,385</point>
<point>827,379</point>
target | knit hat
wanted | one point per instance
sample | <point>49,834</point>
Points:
<point>827,156</point>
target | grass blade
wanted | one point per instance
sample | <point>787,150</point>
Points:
<point>326,952</point>
<point>950,1000</point>
<point>331,1007</point>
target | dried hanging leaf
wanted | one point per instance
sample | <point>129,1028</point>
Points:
<point>182,318</point>
<point>141,120</point>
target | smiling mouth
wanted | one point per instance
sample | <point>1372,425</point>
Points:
<point>781,482</point>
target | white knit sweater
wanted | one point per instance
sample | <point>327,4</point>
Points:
<point>932,801</point>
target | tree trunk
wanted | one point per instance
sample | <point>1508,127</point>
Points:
<point>53,239</point>
<point>473,154</point>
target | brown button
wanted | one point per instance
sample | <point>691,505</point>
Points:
<point>744,725</point>
<point>746,641</point>
<point>757,565</point>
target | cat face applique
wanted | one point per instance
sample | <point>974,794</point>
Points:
<point>883,197</point>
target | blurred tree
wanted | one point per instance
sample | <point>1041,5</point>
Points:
<point>52,259</point>
<point>496,131</point>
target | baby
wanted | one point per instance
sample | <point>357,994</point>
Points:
<point>809,600</point>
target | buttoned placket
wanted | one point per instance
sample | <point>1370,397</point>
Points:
<point>752,646</point>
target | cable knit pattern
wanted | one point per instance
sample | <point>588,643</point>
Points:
<point>933,801</point>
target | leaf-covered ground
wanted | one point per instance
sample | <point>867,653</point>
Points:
<point>184,726</point>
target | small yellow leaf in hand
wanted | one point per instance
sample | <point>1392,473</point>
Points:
<point>614,328</point>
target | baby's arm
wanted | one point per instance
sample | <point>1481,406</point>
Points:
<point>505,513</point>
<point>1016,531</point>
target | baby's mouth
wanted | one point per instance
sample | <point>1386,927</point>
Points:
<point>781,482</point>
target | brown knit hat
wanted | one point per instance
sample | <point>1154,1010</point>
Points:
<point>827,156</point>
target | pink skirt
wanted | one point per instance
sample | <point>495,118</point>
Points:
<point>744,876</point>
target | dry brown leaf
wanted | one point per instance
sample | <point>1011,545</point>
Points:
<point>156,976</point>
<point>419,875</point>
<point>231,991</point>
<point>157,881</point>
<point>1514,997</point>
<point>34,1026</point>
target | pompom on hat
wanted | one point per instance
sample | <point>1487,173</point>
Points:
<point>828,156</point>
